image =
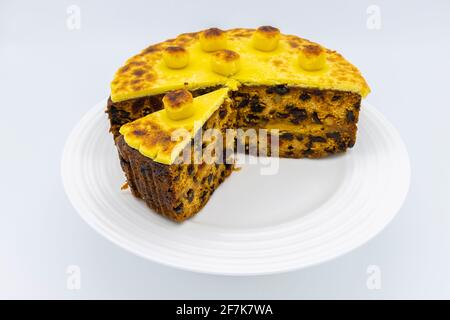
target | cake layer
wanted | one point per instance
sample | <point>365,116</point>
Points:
<point>322,122</point>
<point>292,144</point>
<point>312,123</point>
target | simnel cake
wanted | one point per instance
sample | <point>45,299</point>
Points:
<point>172,92</point>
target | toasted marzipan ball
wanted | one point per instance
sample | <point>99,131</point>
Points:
<point>312,57</point>
<point>225,62</point>
<point>176,57</point>
<point>179,104</point>
<point>213,39</point>
<point>266,38</point>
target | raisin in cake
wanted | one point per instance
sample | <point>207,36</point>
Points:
<point>239,78</point>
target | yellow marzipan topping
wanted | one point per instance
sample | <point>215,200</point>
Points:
<point>148,74</point>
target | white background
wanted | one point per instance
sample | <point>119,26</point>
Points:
<point>50,76</point>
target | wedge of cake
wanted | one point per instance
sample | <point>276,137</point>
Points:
<point>165,172</point>
<point>214,79</point>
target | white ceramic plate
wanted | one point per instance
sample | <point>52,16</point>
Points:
<point>308,213</point>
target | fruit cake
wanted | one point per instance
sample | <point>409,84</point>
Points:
<point>305,94</point>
